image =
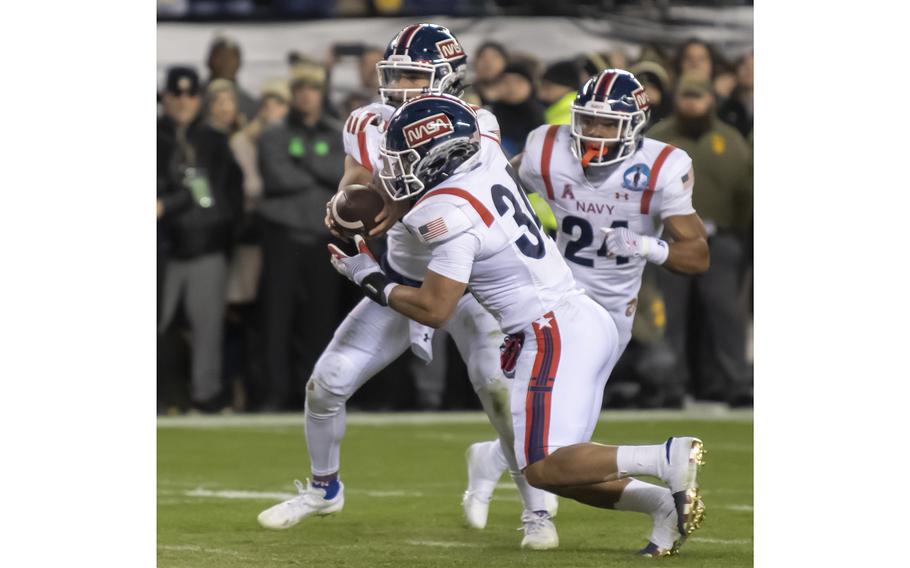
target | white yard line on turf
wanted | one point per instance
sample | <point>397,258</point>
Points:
<point>702,413</point>
<point>743,508</point>
<point>194,548</point>
<point>278,495</point>
<point>730,541</point>
<point>235,494</point>
<point>440,543</point>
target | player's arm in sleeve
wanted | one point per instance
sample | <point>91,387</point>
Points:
<point>687,250</point>
<point>434,302</point>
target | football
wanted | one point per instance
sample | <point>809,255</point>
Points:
<point>354,208</point>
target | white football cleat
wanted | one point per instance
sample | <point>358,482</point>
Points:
<point>540,532</point>
<point>475,509</point>
<point>551,503</point>
<point>476,500</point>
<point>684,456</point>
<point>309,501</point>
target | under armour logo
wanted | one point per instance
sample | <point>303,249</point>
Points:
<point>426,336</point>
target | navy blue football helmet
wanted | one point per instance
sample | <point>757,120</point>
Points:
<point>426,140</point>
<point>612,97</point>
<point>422,51</point>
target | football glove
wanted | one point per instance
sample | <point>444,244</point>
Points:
<point>363,270</point>
<point>623,242</point>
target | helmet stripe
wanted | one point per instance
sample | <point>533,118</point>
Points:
<point>605,84</point>
<point>404,39</point>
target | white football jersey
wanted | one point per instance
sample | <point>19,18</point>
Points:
<point>362,137</point>
<point>516,273</point>
<point>647,187</point>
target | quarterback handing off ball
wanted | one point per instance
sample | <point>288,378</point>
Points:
<point>354,209</point>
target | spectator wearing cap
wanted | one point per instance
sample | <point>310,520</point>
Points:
<point>302,65</point>
<point>224,61</point>
<point>517,109</point>
<point>558,88</point>
<point>221,112</point>
<point>722,196</point>
<point>654,78</point>
<point>489,62</point>
<point>738,108</point>
<point>199,202</point>
<point>301,160</point>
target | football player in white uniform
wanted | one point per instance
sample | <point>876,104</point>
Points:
<point>468,209</point>
<point>614,193</point>
<point>422,57</point>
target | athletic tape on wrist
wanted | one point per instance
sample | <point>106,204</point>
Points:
<point>657,250</point>
<point>374,287</point>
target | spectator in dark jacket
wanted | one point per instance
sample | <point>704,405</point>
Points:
<point>517,110</point>
<point>199,203</point>
<point>301,161</point>
<point>489,61</point>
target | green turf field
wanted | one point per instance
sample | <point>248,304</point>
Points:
<point>403,490</point>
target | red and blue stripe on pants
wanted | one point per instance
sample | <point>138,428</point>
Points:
<point>540,389</point>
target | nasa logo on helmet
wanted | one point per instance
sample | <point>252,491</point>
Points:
<point>449,49</point>
<point>641,98</point>
<point>422,131</point>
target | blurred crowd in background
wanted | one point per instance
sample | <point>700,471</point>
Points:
<point>247,299</point>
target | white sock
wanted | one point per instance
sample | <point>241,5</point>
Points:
<point>643,497</point>
<point>656,501</point>
<point>531,497</point>
<point>641,460</point>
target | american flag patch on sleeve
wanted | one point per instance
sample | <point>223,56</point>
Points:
<point>688,180</point>
<point>433,229</point>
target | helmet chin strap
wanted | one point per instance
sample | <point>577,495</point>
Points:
<point>593,151</point>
